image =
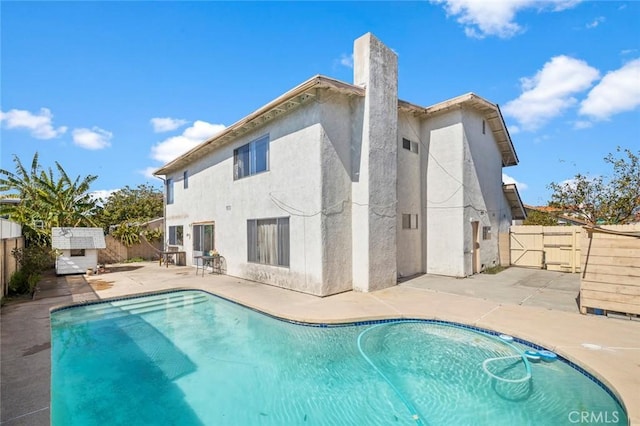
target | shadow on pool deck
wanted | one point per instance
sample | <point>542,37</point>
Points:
<point>539,306</point>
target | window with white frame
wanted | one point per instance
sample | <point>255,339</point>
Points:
<point>169,191</point>
<point>251,159</point>
<point>268,241</point>
<point>175,235</point>
<point>76,253</point>
<point>410,145</point>
<point>409,221</point>
<point>185,179</point>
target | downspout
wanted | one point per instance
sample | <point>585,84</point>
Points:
<point>164,212</point>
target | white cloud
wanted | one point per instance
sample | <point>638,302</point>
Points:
<point>102,194</point>
<point>595,22</point>
<point>550,92</point>
<point>40,125</point>
<point>166,124</point>
<point>172,147</point>
<point>94,138</point>
<point>346,60</point>
<point>618,91</point>
<point>506,179</point>
<point>582,124</point>
<point>486,18</point>
<point>148,172</point>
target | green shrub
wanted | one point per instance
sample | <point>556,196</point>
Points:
<point>19,282</point>
<point>134,259</point>
<point>32,261</point>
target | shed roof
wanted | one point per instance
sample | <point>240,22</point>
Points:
<point>77,238</point>
<point>518,211</point>
<point>306,91</point>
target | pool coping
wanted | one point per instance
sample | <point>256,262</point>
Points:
<point>535,305</point>
<point>588,372</point>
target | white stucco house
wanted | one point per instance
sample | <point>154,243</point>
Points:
<point>336,186</point>
<point>77,249</point>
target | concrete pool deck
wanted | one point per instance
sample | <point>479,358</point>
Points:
<point>539,306</point>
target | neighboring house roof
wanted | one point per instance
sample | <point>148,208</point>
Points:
<point>518,211</point>
<point>306,91</point>
<point>13,201</point>
<point>9,229</point>
<point>559,214</point>
<point>77,238</point>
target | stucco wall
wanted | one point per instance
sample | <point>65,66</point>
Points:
<point>410,187</point>
<point>445,194</point>
<point>340,115</point>
<point>375,176</point>
<point>66,264</point>
<point>484,197</point>
<point>290,188</point>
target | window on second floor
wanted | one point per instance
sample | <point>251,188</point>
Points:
<point>169,191</point>
<point>185,179</point>
<point>409,221</point>
<point>175,235</point>
<point>251,159</point>
<point>410,145</point>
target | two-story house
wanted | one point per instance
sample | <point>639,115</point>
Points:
<point>336,186</point>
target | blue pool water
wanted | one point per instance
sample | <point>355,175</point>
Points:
<point>190,358</point>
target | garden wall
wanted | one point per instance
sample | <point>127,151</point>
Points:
<point>8,263</point>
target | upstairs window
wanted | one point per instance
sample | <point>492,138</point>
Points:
<point>185,179</point>
<point>251,159</point>
<point>410,145</point>
<point>175,235</point>
<point>169,191</point>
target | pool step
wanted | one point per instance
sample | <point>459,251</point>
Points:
<point>137,306</point>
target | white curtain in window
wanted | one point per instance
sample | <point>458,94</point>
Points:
<point>283,241</point>
<point>268,241</point>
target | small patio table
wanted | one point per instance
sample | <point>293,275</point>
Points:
<point>174,255</point>
<point>205,262</point>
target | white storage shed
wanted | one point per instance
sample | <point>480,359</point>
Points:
<point>77,248</point>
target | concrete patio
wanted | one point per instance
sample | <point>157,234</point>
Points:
<point>539,306</point>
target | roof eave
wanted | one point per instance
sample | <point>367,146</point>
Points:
<point>490,111</point>
<point>276,108</point>
<point>518,211</point>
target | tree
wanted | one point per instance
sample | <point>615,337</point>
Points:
<point>128,209</point>
<point>46,199</point>
<point>600,200</point>
<point>536,217</point>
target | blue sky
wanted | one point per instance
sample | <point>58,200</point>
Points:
<point>116,89</point>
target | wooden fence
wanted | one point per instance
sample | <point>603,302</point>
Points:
<point>117,252</point>
<point>556,248</point>
<point>610,278</point>
<point>8,263</point>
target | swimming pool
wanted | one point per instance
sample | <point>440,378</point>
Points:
<point>190,358</point>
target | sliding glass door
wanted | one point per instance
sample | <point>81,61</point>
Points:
<point>203,239</point>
